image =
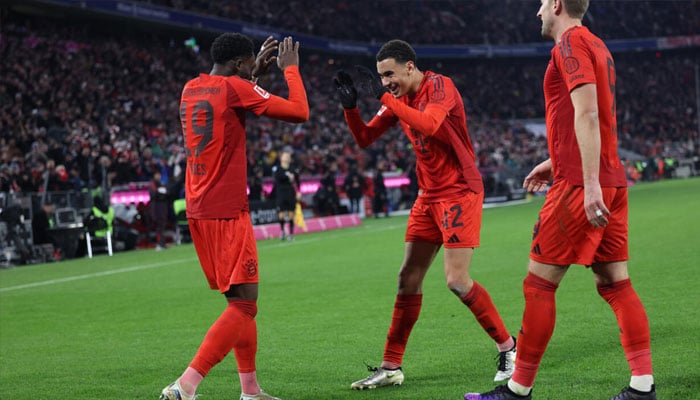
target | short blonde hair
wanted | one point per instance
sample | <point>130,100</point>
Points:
<point>576,8</point>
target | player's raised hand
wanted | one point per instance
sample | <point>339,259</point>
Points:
<point>346,89</point>
<point>265,57</point>
<point>371,82</point>
<point>288,53</point>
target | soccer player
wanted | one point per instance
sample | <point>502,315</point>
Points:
<point>212,111</point>
<point>584,217</point>
<point>447,212</point>
<point>286,193</point>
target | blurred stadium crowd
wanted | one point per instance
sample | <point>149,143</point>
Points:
<point>95,104</point>
<point>72,96</point>
<point>449,22</point>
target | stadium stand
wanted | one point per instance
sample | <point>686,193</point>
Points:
<point>91,103</point>
<point>453,22</point>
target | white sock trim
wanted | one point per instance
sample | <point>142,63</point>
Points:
<point>508,345</point>
<point>519,389</point>
<point>642,382</point>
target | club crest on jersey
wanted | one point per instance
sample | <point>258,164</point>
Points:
<point>381,110</point>
<point>262,92</point>
<point>571,65</point>
<point>251,266</point>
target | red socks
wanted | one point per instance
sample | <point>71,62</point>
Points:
<point>537,327</point>
<point>230,329</point>
<point>406,310</point>
<point>246,347</point>
<point>480,304</point>
<point>633,323</point>
<point>540,316</point>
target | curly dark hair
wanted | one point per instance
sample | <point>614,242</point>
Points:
<point>397,49</point>
<point>229,46</point>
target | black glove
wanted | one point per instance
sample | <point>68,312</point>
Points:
<point>371,82</point>
<point>346,89</point>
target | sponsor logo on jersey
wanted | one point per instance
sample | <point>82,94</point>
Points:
<point>573,78</point>
<point>262,92</point>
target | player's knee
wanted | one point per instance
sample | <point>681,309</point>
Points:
<point>459,286</point>
<point>410,282</point>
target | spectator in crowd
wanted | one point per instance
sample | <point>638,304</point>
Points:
<point>117,128</point>
<point>444,21</point>
<point>255,185</point>
<point>42,221</point>
<point>122,171</point>
<point>326,199</point>
<point>58,177</point>
<point>5,179</point>
<point>354,187</point>
<point>379,200</point>
<point>17,235</point>
<point>103,210</point>
<point>26,182</point>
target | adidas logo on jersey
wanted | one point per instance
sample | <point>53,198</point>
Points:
<point>536,249</point>
<point>453,239</point>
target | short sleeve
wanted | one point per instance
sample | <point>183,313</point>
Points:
<point>575,60</point>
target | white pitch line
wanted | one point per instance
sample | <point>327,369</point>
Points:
<point>142,267</point>
<point>118,271</point>
<point>93,275</point>
<point>329,235</point>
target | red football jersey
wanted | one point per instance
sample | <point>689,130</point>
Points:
<point>445,159</point>
<point>213,113</point>
<point>580,58</point>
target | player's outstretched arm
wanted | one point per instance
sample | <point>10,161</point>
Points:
<point>363,134</point>
<point>427,121</point>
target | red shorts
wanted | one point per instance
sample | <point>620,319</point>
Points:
<point>227,250</point>
<point>564,236</point>
<point>455,223</point>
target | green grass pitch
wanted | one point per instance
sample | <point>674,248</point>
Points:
<point>123,327</point>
